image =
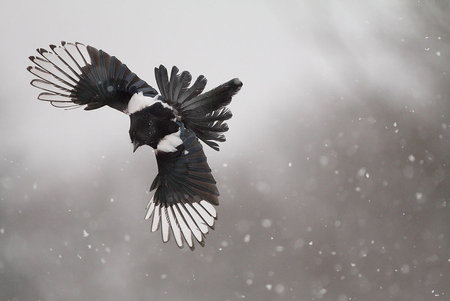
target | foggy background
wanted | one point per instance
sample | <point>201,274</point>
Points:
<point>334,178</point>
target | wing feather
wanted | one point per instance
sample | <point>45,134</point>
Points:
<point>82,75</point>
<point>185,190</point>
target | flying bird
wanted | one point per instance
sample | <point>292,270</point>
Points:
<point>172,122</point>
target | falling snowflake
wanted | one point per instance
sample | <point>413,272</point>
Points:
<point>266,223</point>
<point>279,288</point>
<point>247,238</point>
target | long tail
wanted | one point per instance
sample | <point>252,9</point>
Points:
<point>206,113</point>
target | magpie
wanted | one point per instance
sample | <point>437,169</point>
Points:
<point>172,122</point>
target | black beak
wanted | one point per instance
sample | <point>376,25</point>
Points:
<point>136,145</point>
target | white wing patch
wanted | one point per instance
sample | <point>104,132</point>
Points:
<point>139,101</point>
<point>186,221</point>
<point>169,143</point>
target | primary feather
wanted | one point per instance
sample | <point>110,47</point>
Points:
<point>73,75</point>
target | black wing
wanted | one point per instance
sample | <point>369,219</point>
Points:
<point>205,113</point>
<point>74,75</point>
<point>185,193</point>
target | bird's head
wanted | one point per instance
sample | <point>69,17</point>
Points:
<point>149,125</point>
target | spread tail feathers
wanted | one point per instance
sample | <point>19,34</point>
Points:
<point>205,113</point>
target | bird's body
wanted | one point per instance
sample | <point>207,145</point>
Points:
<point>171,122</point>
<point>153,123</point>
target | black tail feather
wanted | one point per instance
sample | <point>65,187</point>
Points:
<point>203,113</point>
<point>206,113</point>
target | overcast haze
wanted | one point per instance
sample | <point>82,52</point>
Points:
<point>334,178</point>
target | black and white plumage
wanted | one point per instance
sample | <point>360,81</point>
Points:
<point>172,122</point>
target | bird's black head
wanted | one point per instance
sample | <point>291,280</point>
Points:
<point>151,124</point>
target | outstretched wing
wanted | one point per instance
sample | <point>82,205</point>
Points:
<point>185,193</point>
<point>74,75</point>
<point>205,113</point>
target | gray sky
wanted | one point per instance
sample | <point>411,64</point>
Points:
<point>334,178</point>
